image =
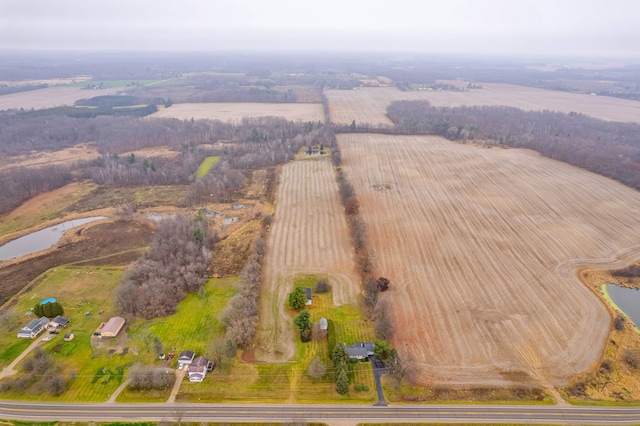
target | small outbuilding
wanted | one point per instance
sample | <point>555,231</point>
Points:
<point>33,328</point>
<point>59,322</point>
<point>68,337</point>
<point>307,292</point>
<point>323,324</point>
<point>111,328</point>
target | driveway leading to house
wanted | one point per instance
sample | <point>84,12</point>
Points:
<point>176,386</point>
<point>378,370</point>
<point>10,369</point>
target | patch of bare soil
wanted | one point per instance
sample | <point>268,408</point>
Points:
<point>110,243</point>
<point>482,247</point>
<point>610,379</point>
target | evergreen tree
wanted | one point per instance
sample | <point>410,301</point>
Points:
<point>298,298</point>
<point>342,382</point>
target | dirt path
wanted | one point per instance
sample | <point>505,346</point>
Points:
<point>10,369</point>
<point>114,395</point>
<point>482,248</point>
<point>176,386</point>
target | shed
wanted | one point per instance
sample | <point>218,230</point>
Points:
<point>112,327</point>
<point>307,292</point>
<point>68,337</point>
<point>323,324</point>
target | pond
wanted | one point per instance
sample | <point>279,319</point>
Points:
<point>40,240</point>
<point>628,300</point>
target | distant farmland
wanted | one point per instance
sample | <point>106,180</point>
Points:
<point>481,248</point>
<point>369,104</point>
<point>50,97</point>
<point>236,111</point>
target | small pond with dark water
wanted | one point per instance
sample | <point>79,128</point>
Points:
<point>40,240</point>
<point>628,300</point>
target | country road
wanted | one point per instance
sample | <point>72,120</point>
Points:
<point>319,413</point>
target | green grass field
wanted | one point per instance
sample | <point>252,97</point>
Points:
<point>206,165</point>
<point>289,382</point>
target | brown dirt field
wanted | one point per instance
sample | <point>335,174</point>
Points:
<point>369,104</point>
<point>49,97</point>
<point>110,243</point>
<point>86,151</point>
<point>482,248</point>
<point>236,111</point>
<point>309,235</point>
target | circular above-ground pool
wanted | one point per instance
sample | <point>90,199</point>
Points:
<point>49,300</point>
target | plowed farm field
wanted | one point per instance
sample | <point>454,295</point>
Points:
<point>235,112</point>
<point>482,247</point>
<point>50,97</point>
<point>309,235</point>
<point>369,104</point>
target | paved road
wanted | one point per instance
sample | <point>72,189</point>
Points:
<point>319,413</point>
<point>378,370</point>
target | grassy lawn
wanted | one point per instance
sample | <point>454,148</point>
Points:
<point>289,382</point>
<point>206,165</point>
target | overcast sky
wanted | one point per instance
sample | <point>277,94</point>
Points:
<point>527,27</point>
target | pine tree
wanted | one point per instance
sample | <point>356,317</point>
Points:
<point>342,382</point>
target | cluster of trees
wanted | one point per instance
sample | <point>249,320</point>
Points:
<point>41,375</point>
<point>240,316</point>
<point>91,112</point>
<point>21,183</point>
<point>608,148</point>
<point>218,186</point>
<point>340,359</point>
<point>6,89</point>
<point>631,271</point>
<point>174,265</point>
<point>147,377</point>
<point>304,325</point>
<point>297,299</point>
<point>49,310</point>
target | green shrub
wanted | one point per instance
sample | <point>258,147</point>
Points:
<point>361,388</point>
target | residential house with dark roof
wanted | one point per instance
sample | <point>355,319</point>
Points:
<point>360,350</point>
<point>34,328</point>
<point>185,358</point>
<point>198,369</point>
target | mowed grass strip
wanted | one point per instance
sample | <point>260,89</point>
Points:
<point>206,165</point>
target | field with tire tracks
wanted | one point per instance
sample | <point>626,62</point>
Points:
<point>309,235</point>
<point>476,243</point>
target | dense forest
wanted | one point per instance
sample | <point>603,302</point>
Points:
<point>608,148</point>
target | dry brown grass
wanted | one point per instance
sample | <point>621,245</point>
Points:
<point>481,247</point>
<point>309,235</point>
<point>85,151</point>
<point>49,97</point>
<point>236,111</point>
<point>369,104</point>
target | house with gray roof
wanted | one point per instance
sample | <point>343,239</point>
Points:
<point>360,350</point>
<point>34,328</point>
